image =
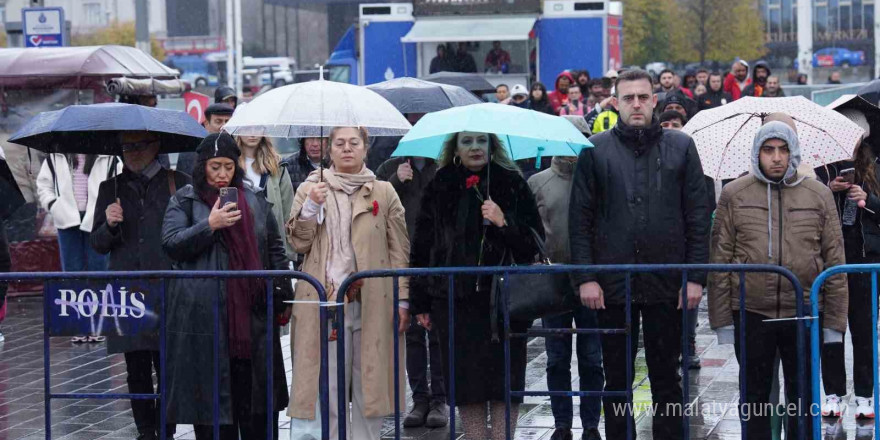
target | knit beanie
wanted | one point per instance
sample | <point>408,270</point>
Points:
<point>218,145</point>
<point>858,118</point>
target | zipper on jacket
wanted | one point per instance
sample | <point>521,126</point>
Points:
<point>659,177</point>
<point>779,277</point>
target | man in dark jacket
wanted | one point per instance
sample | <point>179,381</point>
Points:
<point>226,95</point>
<point>715,96</point>
<point>650,207</point>
<point>410,176</point>
<point>301,163</point>
<point>759,80</point>
<point>128,226</point>
<point>464,62</point>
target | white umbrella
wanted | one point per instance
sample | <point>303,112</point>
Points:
<point>312,108</point>
<point>724,135</point>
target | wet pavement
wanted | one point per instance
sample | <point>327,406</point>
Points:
<point>88,368</point>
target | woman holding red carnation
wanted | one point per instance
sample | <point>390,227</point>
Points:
<point>478,211</point>
<point>344,220</point>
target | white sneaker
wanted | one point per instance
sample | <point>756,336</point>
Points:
<point>864,408</point>
<point>831,408</point>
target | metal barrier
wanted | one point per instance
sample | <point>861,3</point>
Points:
<point>814,336</point>
<point>54,277</point>
<point>451,272</point>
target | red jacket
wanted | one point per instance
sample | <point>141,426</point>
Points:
<point>555,97</point>
<point>731,85</point>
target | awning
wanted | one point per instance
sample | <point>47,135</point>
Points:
<point>470,29</point>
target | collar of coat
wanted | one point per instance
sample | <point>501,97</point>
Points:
<point>639,139</point>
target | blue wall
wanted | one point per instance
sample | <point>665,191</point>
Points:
<point>383,50</point>
<point>570,43</point>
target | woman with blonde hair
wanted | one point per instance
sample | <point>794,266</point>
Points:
<point>345,220</point>
<point>265,175</point>
<point>478,211</point>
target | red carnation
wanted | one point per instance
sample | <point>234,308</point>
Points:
<point>472,181</point>
<point>375,208</point>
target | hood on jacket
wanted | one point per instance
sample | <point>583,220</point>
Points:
<point>564,74</point>
<point>760,64</point>
<point>777,130</point>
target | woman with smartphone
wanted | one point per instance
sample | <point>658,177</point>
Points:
<point>265,175</point>
<point>344,221</point>
<point>856,187</point>
<point>219,224</point>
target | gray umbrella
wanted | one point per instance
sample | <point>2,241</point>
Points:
<point>411,95</point>
<point>470,81</point>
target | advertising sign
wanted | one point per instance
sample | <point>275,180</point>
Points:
<point>43,27</point>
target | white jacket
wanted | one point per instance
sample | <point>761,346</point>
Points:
<point>64,211</point>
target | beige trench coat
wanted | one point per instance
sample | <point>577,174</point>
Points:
<point>380,242</point>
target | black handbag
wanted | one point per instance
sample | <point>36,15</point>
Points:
<point>534,296</point>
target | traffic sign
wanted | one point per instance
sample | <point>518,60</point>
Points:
<point>43,27</point>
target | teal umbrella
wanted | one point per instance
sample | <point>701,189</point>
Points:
<point>525,133</point>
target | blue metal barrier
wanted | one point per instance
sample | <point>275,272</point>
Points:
<point>815,340</point>
<point>451,272</point>
<point>52,277</point>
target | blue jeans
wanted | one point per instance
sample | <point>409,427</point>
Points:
<point>592,377</point>
<point>77,254</point>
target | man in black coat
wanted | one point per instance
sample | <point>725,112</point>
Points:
<point>128,225</point>
<point>639,197</point>
<point>715,96</point>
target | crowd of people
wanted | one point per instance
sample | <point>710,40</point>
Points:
<point>323,211</point>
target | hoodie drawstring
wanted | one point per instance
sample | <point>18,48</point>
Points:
<point>769,224</point>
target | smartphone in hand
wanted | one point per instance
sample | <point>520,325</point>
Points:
<point>848,175</point>
<point>228,195</point>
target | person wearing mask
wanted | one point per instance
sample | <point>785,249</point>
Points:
<point>703,76</point>
<point>616,215</point>
<point>451,231</point>
<point>539,100</point>
<point>715,96</point>
<point>344,221</point>
<point>773,89</point>
<point>759,80</point>
<point>264,175</point>
<point>552,189</point>
<point>668,86</point>
<point>861,239</point>
<point>559,96</point>
<point>834,78</point>
<point>301,163</point>
<point>497,60</point>
<point>464,61</point>
<point>226,95</point>
<point>216,116</point>
<point>129,213</point>
<point>583,82</point>
<point>441,62</point>
<point>519,96</point>
<point>502,94</point>
<point>738,79</point>
<point>672,120</point>
<point>200,234</point>
<point>573,105</point>
<point>797,207</point>
<point>410,176</point>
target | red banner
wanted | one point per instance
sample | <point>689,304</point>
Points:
<point>196,103</point>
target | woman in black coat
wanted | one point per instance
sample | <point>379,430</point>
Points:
<point>199,234</point>
<point>450,231</point>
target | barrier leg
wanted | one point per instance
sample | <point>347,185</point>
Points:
<point>803,398</point>
<point>270,352</point>
<point>163,416</point>
<point>506,306</point>
<point>629,360</point>
<point>342,396</point>
<point>451,385</point>
<point>743,400</point>
<point>396,299</point>
<point>216,389</point>
<point>47,384</point>
<point>874,351</point>
<point>685,352</point>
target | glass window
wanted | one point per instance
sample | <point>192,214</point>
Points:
<point>93,14</point>
<point>845,12</point>
<point>869,18</point>
<point>821,18</point>
<point>775,21</point>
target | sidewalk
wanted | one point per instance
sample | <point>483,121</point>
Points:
<point>88,368</point>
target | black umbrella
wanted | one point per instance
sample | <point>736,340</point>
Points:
<point>871,92</point>
<point>411,95</point>
<point>470,81</point>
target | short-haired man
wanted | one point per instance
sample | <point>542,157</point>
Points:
<point>715,96</point>
<point>703,76</point>
<point>502,94</point>
<point>775,216</point>
<point>773,89</point>
<point>216,117</point>
<point>672,120</point>
<point>668,85</point>
<point>649,208</point>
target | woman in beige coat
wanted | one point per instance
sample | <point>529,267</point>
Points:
<point>344,221</point>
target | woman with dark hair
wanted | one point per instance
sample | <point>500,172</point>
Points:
<point>583,82</point>
<point>478,211</point>
<point>538,99</point>
<point>199,234</point>
<point>858,201</point>
<point>442,62</point>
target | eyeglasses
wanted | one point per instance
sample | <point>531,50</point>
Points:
<point>138,146</point>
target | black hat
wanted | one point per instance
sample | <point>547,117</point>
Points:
<point>223,93</point>
<point>218,145</point>
<point>218,109</point>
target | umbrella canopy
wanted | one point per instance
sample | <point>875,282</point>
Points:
<point>470,81</point>
<point>525,133</point>
<point>311,109</point>
<point>871,111</point>
<point>94,129</point>
<point>12,198</point>
<point>724,135</point>
<point>871,92</point>
<point>411,95</point>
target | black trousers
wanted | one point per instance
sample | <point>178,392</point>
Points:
<point>419,342</point>
<point>833,363</point>
<point>244,421</point>
<point>140,366</point>
<point>763,340</point>
<point>662,336</point>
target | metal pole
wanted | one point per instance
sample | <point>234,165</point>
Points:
<point>239,64</point>
<point>230,44</point>
<point>162,352</point>
<point>685,352</point>
<point>270,351</point>
<point>874,350</point>
<point>628,408</point>
<point>742,353</point>
<point>216,388</point>
<point>142,25</point>
<point>396,303</point>
<point>47,387</point>
<point>451,385</point>
<point>805,39</point>
<point>505,292</point>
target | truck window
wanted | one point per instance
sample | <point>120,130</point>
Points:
<point>339,73</point>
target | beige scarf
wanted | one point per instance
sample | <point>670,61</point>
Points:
<point>338,207</point>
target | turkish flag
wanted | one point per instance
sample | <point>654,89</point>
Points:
<point>196,103</point>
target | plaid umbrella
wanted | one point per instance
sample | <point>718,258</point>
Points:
<point>724,135</point>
